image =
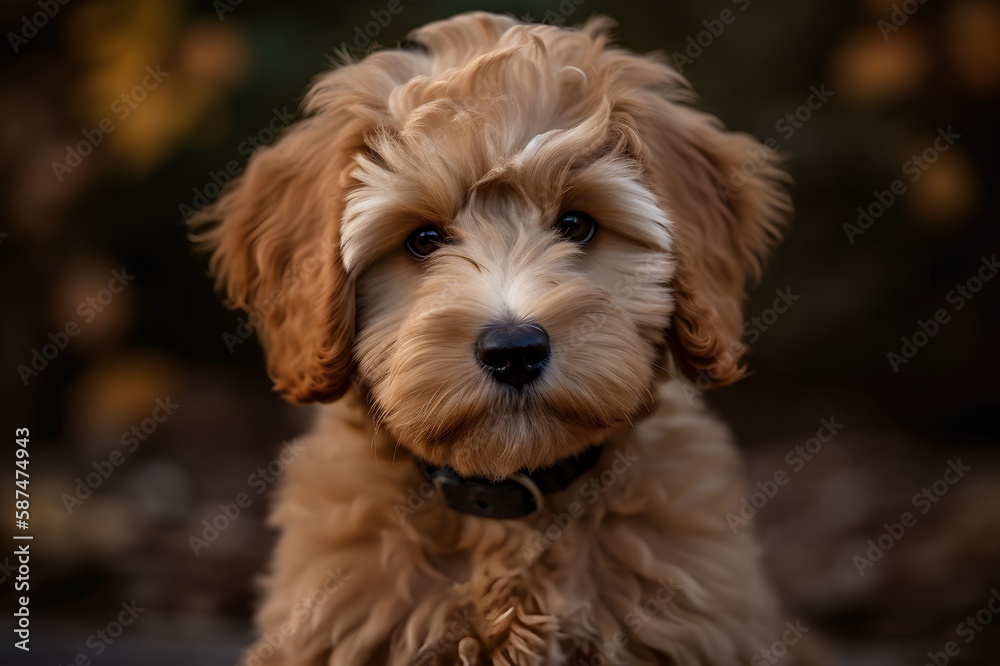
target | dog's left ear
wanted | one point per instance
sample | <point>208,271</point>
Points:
<point>275,242</point>
<point>723,192</point>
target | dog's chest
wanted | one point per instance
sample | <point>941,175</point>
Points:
<point>532,590</point>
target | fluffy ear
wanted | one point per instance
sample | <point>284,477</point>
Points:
<point>725,195</point>
<point>275,242</point>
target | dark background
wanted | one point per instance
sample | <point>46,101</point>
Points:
<point>163,336</point>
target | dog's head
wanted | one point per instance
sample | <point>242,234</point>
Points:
<point>505,237</point>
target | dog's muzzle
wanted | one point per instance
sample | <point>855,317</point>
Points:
<point>522,494</point>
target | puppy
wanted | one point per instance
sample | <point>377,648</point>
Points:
<point>494,254</point>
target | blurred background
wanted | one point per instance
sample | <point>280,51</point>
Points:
<point>148,406</point>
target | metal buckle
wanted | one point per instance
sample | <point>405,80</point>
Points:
<point>532,488</point>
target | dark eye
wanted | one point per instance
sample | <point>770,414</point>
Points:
<point>424,240</point>
<point>577,227</point>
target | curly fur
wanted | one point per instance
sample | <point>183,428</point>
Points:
<point>490,132</point>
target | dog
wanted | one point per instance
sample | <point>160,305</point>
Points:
<point>508,256</point>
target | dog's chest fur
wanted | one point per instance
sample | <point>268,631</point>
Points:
<point>633,564</point>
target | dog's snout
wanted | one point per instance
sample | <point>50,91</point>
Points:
<point>514,354</point>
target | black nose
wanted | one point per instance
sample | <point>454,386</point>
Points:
<point>514,353</point>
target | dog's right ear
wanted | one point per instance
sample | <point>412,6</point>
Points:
<point>274,236</point>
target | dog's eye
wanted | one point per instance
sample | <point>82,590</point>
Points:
<point>424,240</point>
<point>577,227</point>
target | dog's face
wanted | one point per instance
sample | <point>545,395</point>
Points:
<point>518,315</point>
<point>505,238</point>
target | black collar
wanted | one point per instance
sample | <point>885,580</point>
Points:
<point>520,495</point>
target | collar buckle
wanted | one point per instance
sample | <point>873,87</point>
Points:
<point>532,487</point>
<point>521,494</point>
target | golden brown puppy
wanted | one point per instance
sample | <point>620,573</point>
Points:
<point>494,254</point>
